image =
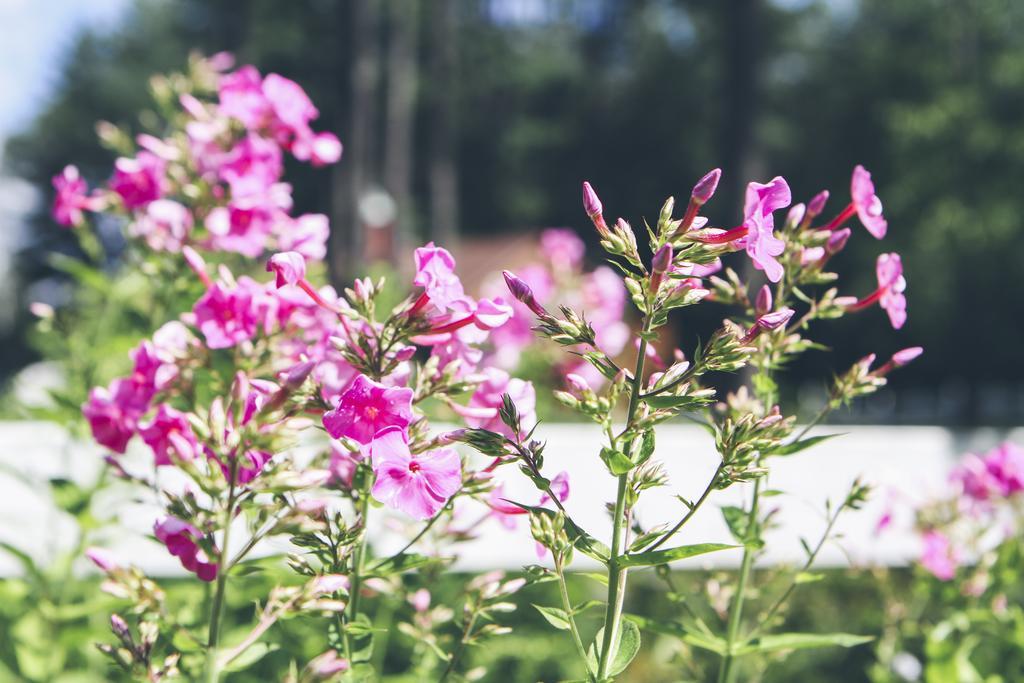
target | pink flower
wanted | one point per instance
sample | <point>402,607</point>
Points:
<point>102,558</point>
<point>225,315</point>
<point>241,97</point>
<point>252,166</point>
<point>974,477</point>
<point>244,225</point>
<point>248,466</point>
<point>140,180</point>
<point>891,285</point>
<point>559,487</point>
<point>169,434</point>
<point>867,203</point>
<point>760,241</point>
<point>563,248</point>
<point>306,234</point>
<point>706,187</point>
<point>367,407</point>
<point>320,149</point>
<point>112,414</point>
<point>293,110</point>
<point>71,198</point>
<point>165,225</point>
<point>180,538</point>
<point>288,266</point>
<point>342,465</point>
<point>435,272</point>
<point>328,664</point>
<point>1006,465</point>
<point>938,556</point>
<point>418,485</point>
<point>482,410</point>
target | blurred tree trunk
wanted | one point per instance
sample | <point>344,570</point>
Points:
<point>740,90</point>
<point>403,20</point>
<point>353,175</point>
<point>444,196</point>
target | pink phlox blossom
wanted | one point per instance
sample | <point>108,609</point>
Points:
<point>181,538</point>
<point>892,284</point>
<point>366,407</point>
<point>139,180</point>
<point>306,234</point>
<point>939,556</point>
<point>761,243</point>
<point>169,434</point>
<point>418,485</point>
<point>165,225</point>
<point>482,409</point>
<point>563,248</point>
<point>225,315</point>
<point>252,166</point>
<point>867,203</point>
<point>72,198</point>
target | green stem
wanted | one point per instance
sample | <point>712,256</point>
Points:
<point>617,574</point>
<point>567,606</point>
<point>725,671</point>
<point>217,608</point>
<point>807,566</point>
<point>423,532</point>
<point>466,633</point>
<point>357,565</point>
<point>690,513</point>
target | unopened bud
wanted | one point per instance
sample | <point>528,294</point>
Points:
<point>836,241</point>
<point>706,187</point>
<point>816,205</point>
<point>772,321</point>
<point>795,215</point>
<point>521,291</point>
<point>763,303</point>
<point>120,627</point>
<point>660,264</point>
<point>591,202</point>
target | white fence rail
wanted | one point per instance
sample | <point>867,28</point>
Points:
<point>908,463</point>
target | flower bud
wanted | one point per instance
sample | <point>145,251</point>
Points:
<point>706,187</point>
<point>420,600</point>
<point>327,665</point>
<point>660,264</point>
<point>197,264</point>
<point>591,202</point>
<point>901,358</point>
<point>836,241</point>
<point>120,627</point>
<point>772,321</point>
<point>795,215</point>
<point>101,558</point>
<point>289,267</point>
<point>763,303</point>
<point>578,384</point>
<point>666,210</point>
<point>816,205</point>
<point>521,291</point>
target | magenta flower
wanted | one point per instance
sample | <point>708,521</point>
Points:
<point>482,410</point>
<point>889,295</point>
<point>976,480</point>
<point>1006,465</point>
<point>248,467</point>
<point>165,225</point>
<point>706,187</point>
<point>367,407</point>
<point>563,248</point>
<point>320,149</point>
<point>867,203</point>
<point>592,205</point>
<point>252,166</point>
<point>435,272</point>
<point>418,485</point>
<point>72,198</point>
<point>288,267</point>
<point>181,538</point>
<point>243,226</point>
<point>169,434</point>
<point>761,243</point>
<point>140,180</point>
<point>226,316</point>
<point>306,234</point>
<point>293,110</point>
<point>241,97</point>
<point>939,556</point>
<point>891,285</point>
<point>112,421</point>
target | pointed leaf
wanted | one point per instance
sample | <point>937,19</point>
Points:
<point>554,616</point>
<point>802,444</point>
<point>802,641</point>
<point>655,557</point>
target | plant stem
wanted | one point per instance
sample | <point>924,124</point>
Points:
<point>466,632</point>
<point>616,574</point>
<point>217,608</point>
<point>725,671</point>
<point>357,565</point>
<point>423,532</point>
<point>567,606</point>
<point>686,518</point>
<point>807,565</point>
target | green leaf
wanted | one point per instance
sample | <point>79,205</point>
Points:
<point>554,616</point>
<point>68,496</point>
<point>654,626</point>
<point>618,463</point>
<point>656,557</point>
<point>400,563</point>
<point>807,577</point>
<point>797,446</point>
<point>625,649</point>
<point>250,656</point>
<point>801,641</point>
<point>629,645</point>
<point>738,521</point>
<point>646,447</point>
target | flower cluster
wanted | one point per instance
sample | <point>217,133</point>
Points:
<point>214,181</point>
<point>265,358</point>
